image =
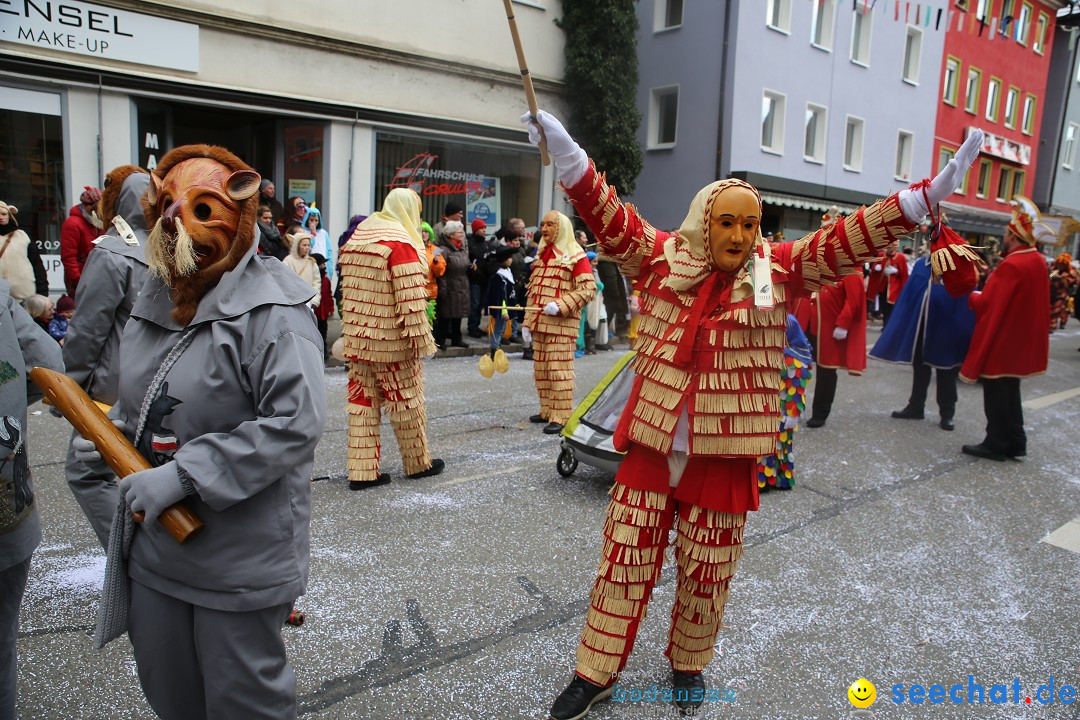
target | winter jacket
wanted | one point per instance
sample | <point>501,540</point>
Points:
<point>270,242</point>
<point>77,237</point>
<point>15,265</point>
<point>454,290</point>
<point>112,277</point>
<point>240,413</point>
<point>22,345</point>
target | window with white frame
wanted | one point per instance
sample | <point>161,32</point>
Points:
<point>861,24</point>
<point>1027,125</point>
<point>971,92</point>
<point>1006,11</point>
<point>993,97</point>
<point>1023,24</point>
<point>1012,100</point>
<point>1040,33</point>
<point>778,15</point>
<point>772,121</point>
<point>822,24</point>
<point>912,55</point>
<point>814,133</point>
<point>1004,186</point>
<point>1068,148</point>
<point>905,142</point>
<point>667,14</point>
<point>982,190</point>
<point>982,10</point>
<point>951,81</point>
<point>663,116</point>
<point>853,143</point>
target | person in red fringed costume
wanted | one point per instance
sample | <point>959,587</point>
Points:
<point>705,398</point>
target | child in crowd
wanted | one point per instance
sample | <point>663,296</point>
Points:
<point>501,292</point>
<point>326,301</point>
<point>58,326</point>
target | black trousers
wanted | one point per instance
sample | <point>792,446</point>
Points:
<point>824,391</point>
<point>1004,416</point>
<point>920,383</point>
<point>447,327</point>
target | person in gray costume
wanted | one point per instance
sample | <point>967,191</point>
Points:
<point>216,393</point>
<point>110,282</point>
<point>23,345</point>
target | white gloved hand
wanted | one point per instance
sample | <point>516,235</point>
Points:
<point>151,491</point>
<point>839,334</point>
<point>877,268</point>
<point>892,270</point>
<point>529,259</point>
<point>945,183</point>
<point>570,160</point>
<point>552,308</point>
<point>87,453</point>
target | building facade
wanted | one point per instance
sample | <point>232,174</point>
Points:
<point>994,77</point>
<point>336,101</point>
<point>815,103</point>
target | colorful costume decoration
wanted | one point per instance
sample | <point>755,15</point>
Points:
<point>777,470</point>
<point>561,274</point>
<point>384,276</point>
<point>1063,282</point>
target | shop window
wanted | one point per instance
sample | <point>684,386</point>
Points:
<point>1028,124</point>
<point>814,133</point>
<point>772,121</point>
<point>778,15</point>
<point>1040,32</point>
<point>853,143</point>
<point>861,25</point>
<point>951,82</point>
<point>823,22</point>
<point>1004,186</point>
<point>982,190</point>
<point>1068,147</point>
<point>303,164</point>
<point>32,159</point>
<point>492,183</point>
<point>668,14</point>
<point>971,92</point>
<point>905,141</point>
<point>912,55</point>
<point>663,117</point>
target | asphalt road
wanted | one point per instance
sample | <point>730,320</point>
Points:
<point>895,558</point>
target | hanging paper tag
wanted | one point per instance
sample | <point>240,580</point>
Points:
<point>762,276</point>
<point>125,231</point>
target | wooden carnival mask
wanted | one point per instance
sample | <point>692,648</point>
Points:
<point>733,227</point>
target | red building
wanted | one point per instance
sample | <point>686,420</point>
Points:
<point>994,71</point>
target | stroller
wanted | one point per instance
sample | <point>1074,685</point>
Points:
<point>588,434</point>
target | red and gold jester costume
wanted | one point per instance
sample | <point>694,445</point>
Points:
<point>386,332</point>
<point>561,274</point>
<point>703,407</point>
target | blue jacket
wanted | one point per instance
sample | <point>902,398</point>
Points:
<point>947,323</point>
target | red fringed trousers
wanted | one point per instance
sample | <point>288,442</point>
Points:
<point>400,387</point>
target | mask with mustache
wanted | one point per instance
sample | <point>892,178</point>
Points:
<point>201,205</point>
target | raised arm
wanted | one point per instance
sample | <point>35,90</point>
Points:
<point>623,234</point>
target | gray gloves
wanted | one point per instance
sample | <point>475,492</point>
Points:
<point>87,453</point>
<point>945,183</point>
<point>570,160</point>
<point>151,491</point>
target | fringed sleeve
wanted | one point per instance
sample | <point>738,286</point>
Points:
<point>624,236</point>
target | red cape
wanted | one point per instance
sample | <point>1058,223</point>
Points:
<point>1010,331</point>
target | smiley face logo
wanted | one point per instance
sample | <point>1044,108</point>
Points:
<point>862,693</point>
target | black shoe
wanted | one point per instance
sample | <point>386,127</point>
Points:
<point>437,467</point>
<point>908,413</point>
<point>981,451</point>
<point>577,699</point>
<point>947,424</point>
<point>1014,454</point>
<point>383,479</point>
<point>688,688</point>
<point>605,347</point>
<point>527,354</point>
<point>459,343</point>
<point>590,352</point>
<point>537,419</point>
<point>441,347</point>
<point>475,334</point>
<point>815,422</point>
<point>552,428</point>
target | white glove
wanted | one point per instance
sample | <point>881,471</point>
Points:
<point>570,160</point>
<point>892,270</point>
<point>877,268</point>
<point>529,259</point>
<point>87,453</point>
<point>945,183</point>
<point>151,491</point>
<point>552,308</point>
<point>839,334</point>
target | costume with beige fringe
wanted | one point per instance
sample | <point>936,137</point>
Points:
<point>385,329</point>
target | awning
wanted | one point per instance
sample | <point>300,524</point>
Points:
<point>803,203</point>
<point>976,220</point>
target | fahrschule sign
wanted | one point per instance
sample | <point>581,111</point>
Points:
<point>85,29</point>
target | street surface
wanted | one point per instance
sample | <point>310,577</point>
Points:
<point>895,558</point>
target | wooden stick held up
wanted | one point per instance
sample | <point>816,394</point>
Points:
<point>119,454</point>
<point>526,79</point>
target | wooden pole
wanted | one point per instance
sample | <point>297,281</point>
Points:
<point>526,79</point>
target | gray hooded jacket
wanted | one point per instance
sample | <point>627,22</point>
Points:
<point>110,282</point>
<point>240,413</point>
<point>23,345</point>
